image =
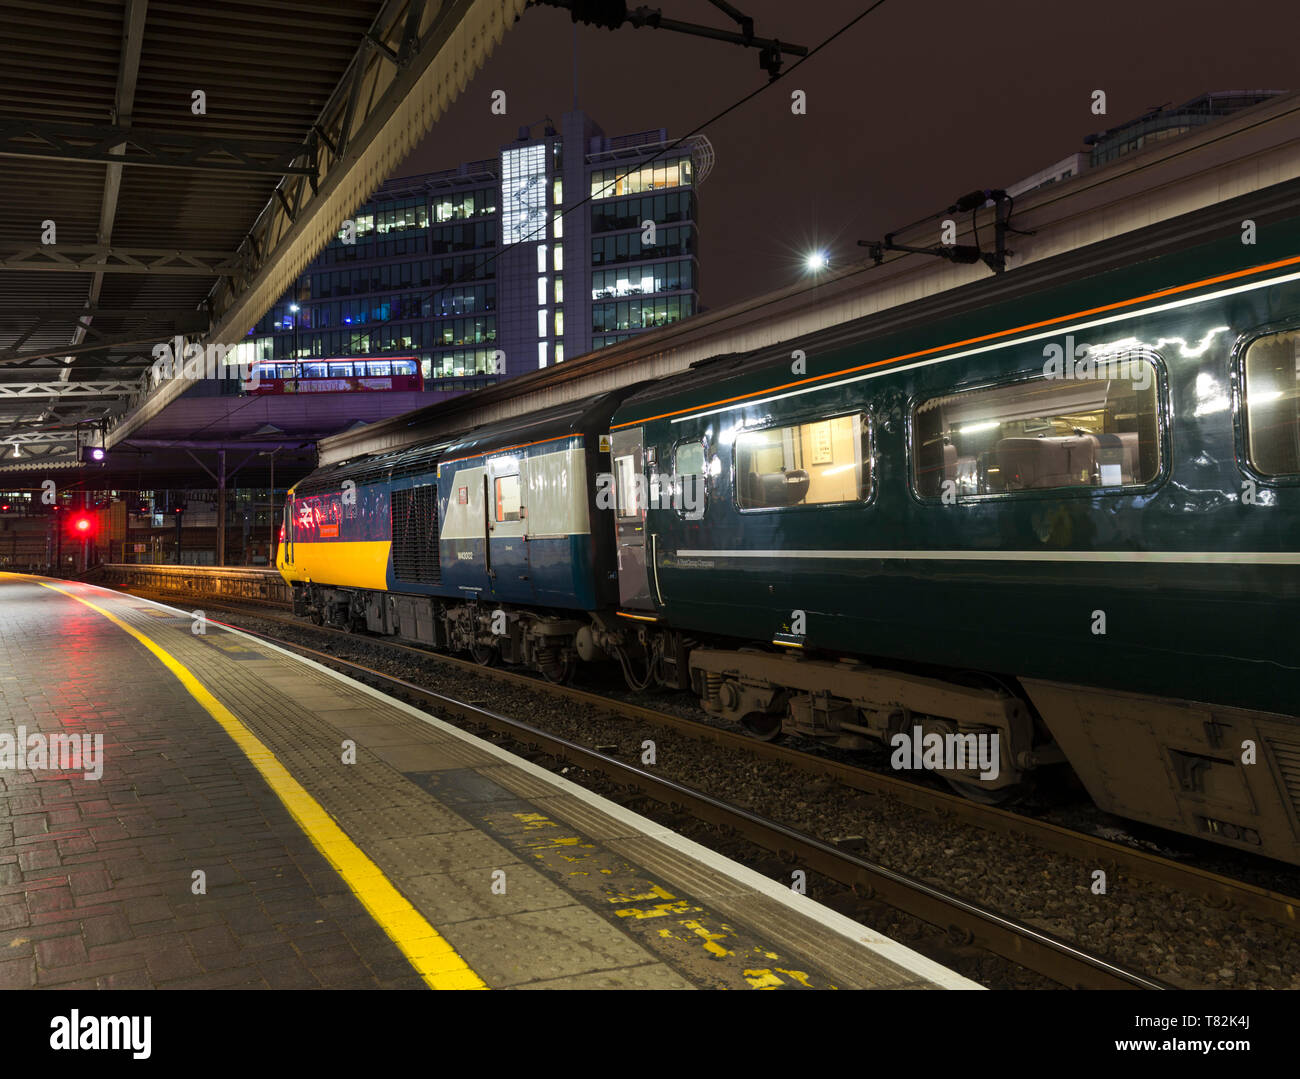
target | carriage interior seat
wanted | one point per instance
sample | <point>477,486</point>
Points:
<point>1059,461</point>
<point>1073,460</point>
<point>776,488</point>
<point>1129,442</point>
<point>962,470</point>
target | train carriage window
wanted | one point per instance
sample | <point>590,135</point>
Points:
<point>806,464</point>
<point>1100,428</point>
<point>689,484</point>
<point>1272,401</point>
<point>507,498</point>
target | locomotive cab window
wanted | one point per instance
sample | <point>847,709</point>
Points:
<point>804,464</point>
<point>1042,434</point>
<point>507,498</point>
<point>1272,401</point>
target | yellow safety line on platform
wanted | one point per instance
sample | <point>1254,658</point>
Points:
<point>430,954</point>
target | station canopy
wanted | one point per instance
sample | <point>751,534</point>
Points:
<point>168,167</point>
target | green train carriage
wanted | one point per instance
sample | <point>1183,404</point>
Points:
<point>1060,506</point>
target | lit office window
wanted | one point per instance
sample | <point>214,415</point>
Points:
<point>541,258</point>
<point>541,291</point>
<point>559,323</point>
<point>559,290</point>
<point>559,352</point>
<point>557,225</point>
<point>559,257</point>
<point>617,182</point>
<point>541,353</point>
<point>557,191</point>
<point>541,322</point>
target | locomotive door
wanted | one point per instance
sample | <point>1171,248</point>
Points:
<point>487,528</point>
<point>507,545</point>
<point>627,451</point>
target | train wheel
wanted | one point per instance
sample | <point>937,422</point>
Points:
<point>558,669</point>
<point>765,726</point>
<point>983,795</point>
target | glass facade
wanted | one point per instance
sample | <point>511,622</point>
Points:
<point>641,314</point>
<point>638,280</point>
<point>420,268</point>
<point>464,205</point>
<point>523,193</point>
<point>631,179</point>
<point>627,246</point>
<point>630,213</point>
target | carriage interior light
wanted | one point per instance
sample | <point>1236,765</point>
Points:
<point>972,428</point>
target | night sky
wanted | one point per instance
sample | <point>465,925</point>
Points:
<point>917,104</point>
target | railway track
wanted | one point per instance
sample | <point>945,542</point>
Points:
<point>965,921</point>
<point>1215,889</point>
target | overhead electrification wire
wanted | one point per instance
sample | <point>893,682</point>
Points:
<point>532,238</point>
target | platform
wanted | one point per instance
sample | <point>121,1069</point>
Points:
<point>261,821</point>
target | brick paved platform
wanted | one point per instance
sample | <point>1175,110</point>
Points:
<point>343,839</point>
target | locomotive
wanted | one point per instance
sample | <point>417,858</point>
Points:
<point>1057,509</point>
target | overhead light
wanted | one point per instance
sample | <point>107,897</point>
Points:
<point>816,261</point>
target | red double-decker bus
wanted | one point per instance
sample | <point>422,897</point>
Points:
<point>351,375</point>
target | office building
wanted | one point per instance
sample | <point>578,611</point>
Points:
<point>499,267</point>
